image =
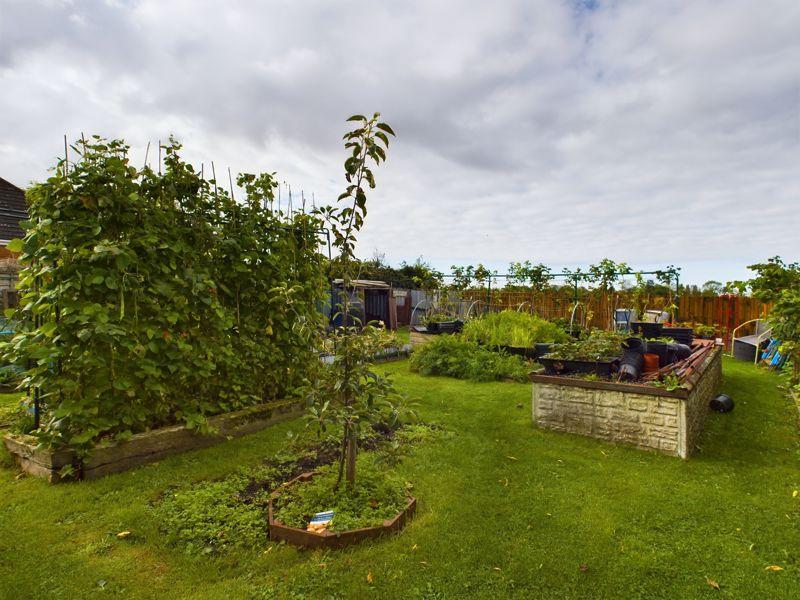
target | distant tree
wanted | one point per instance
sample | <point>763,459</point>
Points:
<point>713,287</point>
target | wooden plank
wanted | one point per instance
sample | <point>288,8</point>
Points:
<point>148,446</point>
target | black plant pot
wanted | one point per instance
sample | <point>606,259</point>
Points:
<point>529,353</point>
<point>680,351</point>
<point>630,368</point>
<point>648,330</point>
<point>682,335</point>
<point>722,403</point>
<point>445,326</point>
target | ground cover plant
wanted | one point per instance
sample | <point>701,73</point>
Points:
<point>217,516</point>
<point>150,298</point>
<point>505,510</point>
<point>377,497</point>
<point>454,356</point>
<point>512,328</point>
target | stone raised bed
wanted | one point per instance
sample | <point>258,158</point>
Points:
<point>329,539</point>
<point>145,447</point>
<point>642,415</point>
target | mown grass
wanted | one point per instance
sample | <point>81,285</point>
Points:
<point>505,510</point>
<point>9,407</point>
<point>403,334</point>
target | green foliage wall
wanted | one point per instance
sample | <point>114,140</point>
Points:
<point>155,298</point>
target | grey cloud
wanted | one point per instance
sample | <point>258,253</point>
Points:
<point>544,130</point>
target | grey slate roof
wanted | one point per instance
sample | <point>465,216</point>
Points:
<point>13,209</point>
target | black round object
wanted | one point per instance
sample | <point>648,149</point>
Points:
<point>722,403</point>
<point>681,351</point>
<point>630,368</point>
<point>634,344</point>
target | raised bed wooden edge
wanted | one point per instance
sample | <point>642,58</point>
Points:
<point>308,539</point>
<point>145,447</point>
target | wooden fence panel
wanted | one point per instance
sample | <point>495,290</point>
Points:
<point>726,311</point>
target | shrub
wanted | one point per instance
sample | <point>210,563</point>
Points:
<point>512,328</point>
<point>456,357</point>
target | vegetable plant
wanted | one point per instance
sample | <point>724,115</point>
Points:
<point>454,356</point>
<point>605,275</point>
<point>535,276</point>
<point>512,328</point>
<point>153,297</point>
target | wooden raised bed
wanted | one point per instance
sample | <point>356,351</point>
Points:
<point>328,539</point>
<point>145,447</point>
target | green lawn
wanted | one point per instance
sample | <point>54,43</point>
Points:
<point>505,510</point>
<point>9,406</point>
<point>403,334</point>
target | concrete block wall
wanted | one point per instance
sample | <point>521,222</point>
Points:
<point>668,424</point>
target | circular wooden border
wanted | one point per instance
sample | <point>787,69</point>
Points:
<point>328,539</point>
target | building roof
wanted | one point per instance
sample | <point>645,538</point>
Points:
<point>13,209</point>
<point>365,284</point>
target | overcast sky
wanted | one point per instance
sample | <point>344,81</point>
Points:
<point>555,131</point>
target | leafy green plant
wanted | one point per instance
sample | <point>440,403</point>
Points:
<point>778,282</point>
<point>563,324</point>
<point>437,316</point>
<point>670,382</point>
<point>605,275</point>
<point>598,345</point>
<point>638,296</point>
<point>536,277</point>
<point>349,394</point>
<point>11,374</point>
<point>150,298</point>
<point>378,496</point>
<point>454,356</point>
<point>464,276</point>
<point>512,328</point>
<point>211,517</point>
<point>667,277</point>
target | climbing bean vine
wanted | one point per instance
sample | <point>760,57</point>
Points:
<point>153,297</point>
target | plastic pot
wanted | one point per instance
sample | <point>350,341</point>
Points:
<point>632,363</point>
<point>651,362</point>
<point>647,329</point>
<point>722,404</point>
<point>682,335</point>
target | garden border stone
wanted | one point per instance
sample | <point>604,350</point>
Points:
<point>644,416</point>
<point>146,447</point>
<point>329,539</point>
